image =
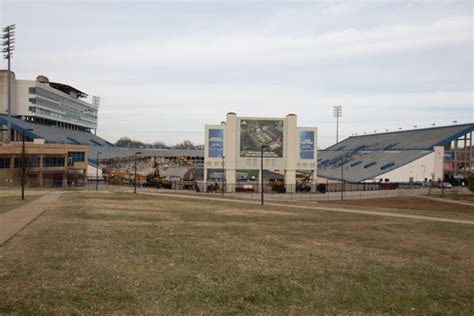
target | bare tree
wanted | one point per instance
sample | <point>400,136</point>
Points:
<point>185,144</point>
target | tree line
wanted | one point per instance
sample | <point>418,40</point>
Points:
<point>127,142</point>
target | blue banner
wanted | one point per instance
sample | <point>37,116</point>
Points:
<point>307,145</point>
<point>216,143</point>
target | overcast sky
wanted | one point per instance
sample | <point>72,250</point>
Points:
<point>165,68</point>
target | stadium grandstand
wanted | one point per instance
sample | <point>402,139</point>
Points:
<point>403,156</point>
<point>58,114</point>
<point>59,135</point>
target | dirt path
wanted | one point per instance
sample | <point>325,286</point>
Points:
<point>319,208</point>
<point>13,221</point>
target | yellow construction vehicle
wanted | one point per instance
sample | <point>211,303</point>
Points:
<point>123,178</point>
<point>154,180</point>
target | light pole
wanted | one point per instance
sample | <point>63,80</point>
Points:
<point>424,170</point>
<point>97,172</point>
<point>342,179</point>
<point>343,158</point>
<point>337,115</point>
<point>135,178</point>
<point>23,162</point>
<point>261,170</point>
<point>223,170</point>
<point>8,48</point>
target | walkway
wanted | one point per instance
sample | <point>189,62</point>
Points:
<point>320,208</point>
<point>13,221</point>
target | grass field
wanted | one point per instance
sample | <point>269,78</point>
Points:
<point>458,197</point>
<point>125,253</point>
<point>410,205</point>
<point>10,199</point>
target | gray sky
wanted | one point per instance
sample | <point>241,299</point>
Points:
<point>165,68</point>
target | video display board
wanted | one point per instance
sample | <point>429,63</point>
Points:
<point>307,145</point>
<point>216,143</point>
<point>255,133</point>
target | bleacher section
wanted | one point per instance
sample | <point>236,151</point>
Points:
<point>58,135</point>
<point>417,139</point>
<point>368,156</point>
<point>54,134</point>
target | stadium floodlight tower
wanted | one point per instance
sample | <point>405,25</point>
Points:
<point>8,48</point>
<point>337,115</point>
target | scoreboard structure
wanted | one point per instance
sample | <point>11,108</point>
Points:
<point>236,144</point>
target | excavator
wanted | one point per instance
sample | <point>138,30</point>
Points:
<point>154,180</point>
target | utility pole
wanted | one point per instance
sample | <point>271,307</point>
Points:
<point>8,48</point>
<point>337,115</point>
<point>23,162</point>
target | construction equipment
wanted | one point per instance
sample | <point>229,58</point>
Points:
<point>154,180</point>
<point>123,178</point>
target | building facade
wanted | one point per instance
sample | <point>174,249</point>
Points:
<point>45,165</point>
<point>236,145</point>
<point>48,102</point>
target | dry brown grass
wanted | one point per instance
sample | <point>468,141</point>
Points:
<point>410,205</point>
<point>125,253</point>
<point>458,197</point>
<point>10,199</point>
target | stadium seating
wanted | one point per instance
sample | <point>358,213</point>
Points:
<point>368,156</point>
<point>54,134</point>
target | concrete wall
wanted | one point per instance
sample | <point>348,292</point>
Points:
<point>22,105</point>
<point>4,91</point>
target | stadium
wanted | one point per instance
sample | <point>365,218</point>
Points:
<point>56,114</point>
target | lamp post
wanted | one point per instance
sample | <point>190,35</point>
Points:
<point>343,158</point>
<point>337,115</point>
<point>261,170</point>
<point>97,172</point>
<point>135,178</point>
<point>8,48</point>
<point>223,171</point>
<point>342,179</point>
<point>23,162</point>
